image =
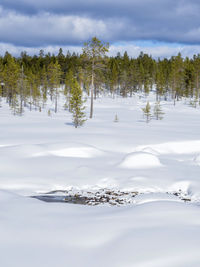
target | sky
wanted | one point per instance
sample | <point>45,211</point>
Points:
<point>161,28</point>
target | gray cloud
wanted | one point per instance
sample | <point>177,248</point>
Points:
<point>60,22</point>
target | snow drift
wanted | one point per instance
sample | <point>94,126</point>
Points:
<point>138,160</point>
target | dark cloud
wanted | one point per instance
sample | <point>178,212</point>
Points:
<point>142,9</point>
<point>61,22</point>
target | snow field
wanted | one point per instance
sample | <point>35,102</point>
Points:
<point>156,233</point>
<point>40,154</point>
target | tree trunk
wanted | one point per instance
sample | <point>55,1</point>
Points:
<point>92,98</point>
<point>156,96</point>
<point>95,92</point>
<point>56,101</point>
<point>197,87</point>
<point>92,92</point>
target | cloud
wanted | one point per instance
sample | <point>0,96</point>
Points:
<point>45,29</point>
<point>36,23</point>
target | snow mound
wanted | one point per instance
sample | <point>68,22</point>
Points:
<point>183,147</point>
<point>139,160</point>
<point>69,149</point>
<point>76,152</point>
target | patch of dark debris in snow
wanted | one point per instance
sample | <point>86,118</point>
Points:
<point>107,196</point>
<point>183,196</point>
<point>101,196</point>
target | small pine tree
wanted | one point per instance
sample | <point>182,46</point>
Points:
<point>116,118</point>
<point>158,113</point>
<point>147,112</point>
<point>76,104</point>
<point>49,113</point>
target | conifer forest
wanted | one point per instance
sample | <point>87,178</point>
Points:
<point>27,82</point>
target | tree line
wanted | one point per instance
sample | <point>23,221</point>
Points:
<point>29,81</point>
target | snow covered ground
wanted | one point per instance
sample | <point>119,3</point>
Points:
<point>39,153</point>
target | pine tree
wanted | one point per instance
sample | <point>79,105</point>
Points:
<point>124,77</point>
<point>113,77</point>
<point>34,89</point>
<point>124,83</point>
<point>22,90</point>
<point>147,112</point>
<point>54,75</point>
<point>189,79</point>
<point>61,58</point>
<point>177,77</point>
<point>158,113</point>
<point>146,86</point>
<point>94,53</point>
<point>76,104</point>
<point>43,84</point>
<point>160,82</point>
<point>11,77</point>
<point>1,83</point>
<point>196,63</point>
<point>68,87</point>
